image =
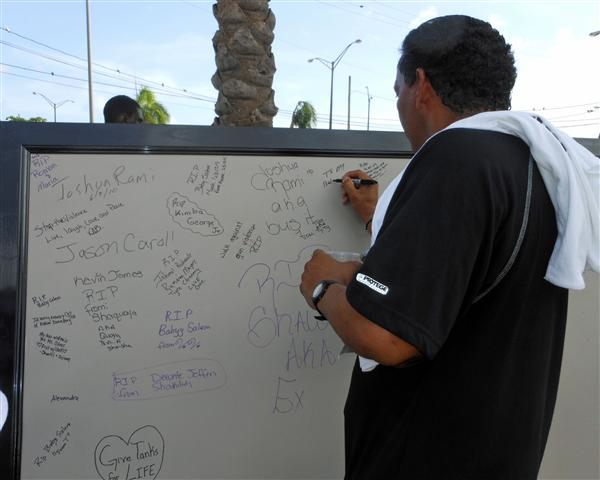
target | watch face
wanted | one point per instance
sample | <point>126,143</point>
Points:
<point>317,290</point>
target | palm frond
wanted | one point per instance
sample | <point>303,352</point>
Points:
<point>154,112</point>
<point>304,115</point>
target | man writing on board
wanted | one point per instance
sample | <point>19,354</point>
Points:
<point>458,311</point>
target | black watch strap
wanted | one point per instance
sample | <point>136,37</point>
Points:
<point>325,284</point>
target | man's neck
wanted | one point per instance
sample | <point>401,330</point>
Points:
<point>435,121</point>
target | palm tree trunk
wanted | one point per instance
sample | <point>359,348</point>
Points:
<point>245,63</point>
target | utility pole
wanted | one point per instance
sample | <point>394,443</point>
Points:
<point>89,59</point>
<point>349,90</point>
<point>369,97</point>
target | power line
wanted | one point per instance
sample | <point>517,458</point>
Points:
<point>8,30</point>
<point>158,90</point>
<point>56,74</point>
<point>196,96</point>
<point>54,83</point>
<point>387,5</point>
<point>356,121</point>
<point>183,93</point>
<point>360,92</point>
<point>385,98</point>
<point>41,80</point>
<point>132,76</point>
<point>543,109</point>
<point>583,125</point>
<point>569,122</point>
<point>33,52</point>
<point>385,15</point>
<point>333,5</point>
<point>54,59</point>
<point>277,39</point>
<point>360,67</point>
<point>282,112</point>
<point>570,116</point>
<point>193,4</point>
<point>53,74</point>
<point>69,77</point>
<point>167,102</point>
<point>159,86</point>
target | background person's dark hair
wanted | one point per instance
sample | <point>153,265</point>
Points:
<point>122,109</point>
<point>469,64</point>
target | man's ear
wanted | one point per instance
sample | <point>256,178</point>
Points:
<point>425,92</point>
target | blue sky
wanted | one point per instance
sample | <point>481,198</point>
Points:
<point>152,43</point>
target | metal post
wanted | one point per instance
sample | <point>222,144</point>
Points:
<point>51,103</point>
<point>331,95</point>
<point>331,64</point>
<point>349,90</point>
<point>89,54</point>
<point>368,108</point>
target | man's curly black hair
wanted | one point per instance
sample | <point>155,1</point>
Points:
<point>469,64</point>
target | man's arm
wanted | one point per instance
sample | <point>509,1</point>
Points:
<point>366,338</point>
<point>358,332</point>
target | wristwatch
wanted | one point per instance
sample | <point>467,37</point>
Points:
<point>319,293</point>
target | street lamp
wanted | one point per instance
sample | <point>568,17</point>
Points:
<point>595,34</point>
<point>89,59</point>
<point>369,98</point>
<point>331,64</point>
<point>54,105</point>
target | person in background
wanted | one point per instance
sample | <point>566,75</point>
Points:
<point>458,311</point>
<point>122,109</point>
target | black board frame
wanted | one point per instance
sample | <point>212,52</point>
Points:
<point>18,140</point>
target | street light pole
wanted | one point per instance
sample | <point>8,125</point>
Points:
<point>89,59</point>
<point>349,90</point>
<point>52,104</point>
<point>331,64</point>
<point>369,97</point>
<point>331,95</point>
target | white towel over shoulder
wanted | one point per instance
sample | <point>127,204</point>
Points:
<point>571,174</point>
<point>572,177</point>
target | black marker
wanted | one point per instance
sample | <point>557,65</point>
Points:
<point>358,181</point>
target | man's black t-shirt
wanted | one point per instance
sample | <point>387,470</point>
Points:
<point>479,405</point>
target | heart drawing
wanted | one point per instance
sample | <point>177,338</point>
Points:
<point>139,458</point>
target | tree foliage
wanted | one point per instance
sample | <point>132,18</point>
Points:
<point>19,118</point>
<point>304,116</point>
<point>154,112</point>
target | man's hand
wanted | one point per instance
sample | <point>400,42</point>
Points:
<point>362,199</point>
<point>363,336</point>
<point>322,266</point>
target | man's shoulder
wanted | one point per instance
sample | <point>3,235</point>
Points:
<point>470,140</point>
<point>472,148</point>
